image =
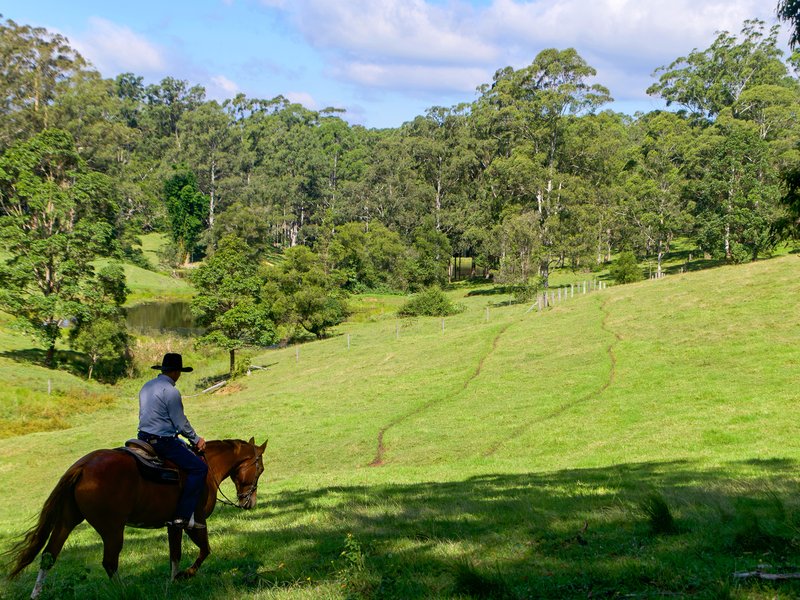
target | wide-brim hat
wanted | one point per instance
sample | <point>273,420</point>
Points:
<point>172,362</point>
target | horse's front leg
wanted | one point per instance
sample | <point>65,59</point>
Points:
<point>175,535</point>
<point>200,537</point>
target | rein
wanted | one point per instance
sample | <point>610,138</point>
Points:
<point>243,496</point>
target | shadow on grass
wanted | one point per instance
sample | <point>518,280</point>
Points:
<point>65,360</point>
<point>489,291</point>
<point>569,534</point>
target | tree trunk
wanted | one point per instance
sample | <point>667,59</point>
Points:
<point>211,194</point>
<point>233,360</point>
<point>50,358</point>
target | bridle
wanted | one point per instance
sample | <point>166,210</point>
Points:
<point>244,495</point>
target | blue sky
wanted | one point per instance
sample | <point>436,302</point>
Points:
<point>383,61</point>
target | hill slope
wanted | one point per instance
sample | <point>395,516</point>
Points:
<point>506,454</point>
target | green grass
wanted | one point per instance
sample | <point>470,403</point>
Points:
<point>521,453</point>
<point>150,286</point>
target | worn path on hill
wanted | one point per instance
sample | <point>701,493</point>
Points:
<point>521,429</point>
<point>379,454</point>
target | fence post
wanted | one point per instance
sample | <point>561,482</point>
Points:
<point>297,354</point>
<point>348,341</point>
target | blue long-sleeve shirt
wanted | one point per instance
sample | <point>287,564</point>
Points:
<point>161,410</point>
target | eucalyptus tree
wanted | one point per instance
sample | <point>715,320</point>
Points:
<point>390,191</point>
<point>789,10</point>
<point>56,217</point>
<point>92,112</point>
<point>441,150</point>
<point>736,187</point>
<point>290,170</point>
<point>533,108</point>
<point>209,148</point>
<point>344,157</point>
<point>706,81</point>
<point>166,102</point>
<point>657,207</point>
<point>594,160</point>
<point>742,87</point>
<point>34,65</point>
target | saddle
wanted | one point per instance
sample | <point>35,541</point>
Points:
<point>151,466</point>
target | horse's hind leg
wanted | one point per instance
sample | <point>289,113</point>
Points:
<point>200,537</point>
<point>112,545</point>
<point>70,518</point>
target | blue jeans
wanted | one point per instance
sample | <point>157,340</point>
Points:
<point>172,449</point>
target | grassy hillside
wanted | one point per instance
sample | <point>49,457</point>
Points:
<point>635,442</point>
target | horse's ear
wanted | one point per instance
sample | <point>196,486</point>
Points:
<point>263,446</point>
<point>252,441</point>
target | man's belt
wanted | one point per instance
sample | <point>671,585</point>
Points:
<point>152,436</point>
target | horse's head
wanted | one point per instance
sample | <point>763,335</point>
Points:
<point>245,476</point>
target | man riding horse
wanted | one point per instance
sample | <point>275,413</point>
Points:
<point>161,421</point>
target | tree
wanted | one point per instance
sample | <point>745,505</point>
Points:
<point>34,63</point>
<point>55,218</point>
<point>208,148</point>
<point>532,110</point>
<point>303,295</point>
<point>705,82</point>
<point>229,303</point>
<point>736,188</point>
<point>789,10</point>
<point>430,256</point>
<point>101,338</point>
<point>658,209</point>
<point>98,327</point>
<point>520,256</point>
<point>369,258</point>
<point>187,208</point>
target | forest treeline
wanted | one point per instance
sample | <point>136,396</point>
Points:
<point>534,174</point>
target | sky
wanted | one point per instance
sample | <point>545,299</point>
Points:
<point>383,61</point>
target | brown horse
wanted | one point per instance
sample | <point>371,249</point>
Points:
<point>106,489</point>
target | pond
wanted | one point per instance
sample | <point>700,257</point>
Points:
<point>162,317</point>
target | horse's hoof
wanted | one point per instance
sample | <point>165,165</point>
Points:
<point>185,574</point>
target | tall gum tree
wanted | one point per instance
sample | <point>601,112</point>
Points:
<point>533,106</point>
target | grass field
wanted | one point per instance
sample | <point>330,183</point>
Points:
<point>636,442</point>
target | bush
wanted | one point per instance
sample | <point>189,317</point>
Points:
<point>429,303</point>
<point>626,269</point>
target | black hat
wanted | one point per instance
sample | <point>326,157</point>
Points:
<point>172,362</point>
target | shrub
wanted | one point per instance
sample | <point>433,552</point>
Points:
<point>626,269</point>
<point>429,303</point>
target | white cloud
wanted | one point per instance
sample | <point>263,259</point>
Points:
<point>225,84</point>
<point>393,30</point>
<point>304,98</point>
<point>419,45</point>
<point>115,49</point>
<point>421,77</point>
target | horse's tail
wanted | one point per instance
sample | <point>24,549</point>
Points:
<point>25,551</point>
